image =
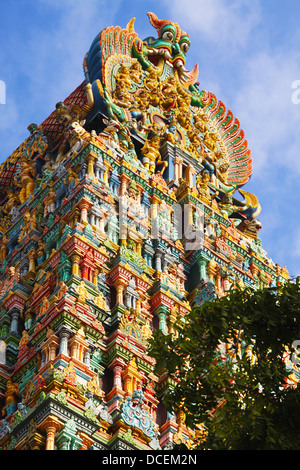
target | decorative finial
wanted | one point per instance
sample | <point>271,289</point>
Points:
<point>130,25</point>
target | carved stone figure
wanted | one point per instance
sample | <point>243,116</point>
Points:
<point>152,155</point>
<point>26,179</point>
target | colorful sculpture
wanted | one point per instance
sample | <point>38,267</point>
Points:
<point>118,214</point>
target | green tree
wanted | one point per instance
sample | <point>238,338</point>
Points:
<point>240,395</point>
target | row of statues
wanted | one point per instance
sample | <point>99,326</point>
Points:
<point>173,103</point>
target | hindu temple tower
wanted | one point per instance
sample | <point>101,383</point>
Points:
<point>119,213</point>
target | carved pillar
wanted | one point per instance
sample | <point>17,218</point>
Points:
<point>86,441</point>
<point>31,255</point>
<point>87,357</point>
<point>51,425</point>
<point>211,270</point>
<point>95,277</point>
<point>120,286</point>
<point>117,366</point>
<point>75,264</point>
<point>92,218</point>
<point>202,264</point>
<point>162,312</point>
<point>84,205</point>
<point>102,220</point>
<point>89,265</point>
<point>105,175</point>
<point>218,280</point>
<point>64,334</point>
<point>155,202</point>
<point>177,168</point>
<point>91,160</point>
<point>124,180</point>
<point>2,352</point>
<point>139,301</point>
<point>99,168</point>
<point>123,220</point>
<point>50,347</point>
<point>158,260</point>
<point>28,320</point>
<point>14,320</point>
<point>188,216</point>
<point>190,171</point>
<point>78,345</point>
<point>68,439</point>
<point>132,378</point>
<point>139,247</point>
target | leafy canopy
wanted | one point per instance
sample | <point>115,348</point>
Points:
<point>238,391</point>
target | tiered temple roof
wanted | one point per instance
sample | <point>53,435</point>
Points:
<point>119,213</point>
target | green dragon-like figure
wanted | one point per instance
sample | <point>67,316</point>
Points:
<point>114,47</point>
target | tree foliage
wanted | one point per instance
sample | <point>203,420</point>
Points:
<point>240,394</point>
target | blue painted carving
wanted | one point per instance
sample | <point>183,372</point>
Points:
<point>206,292</point>
<point>134,414</point>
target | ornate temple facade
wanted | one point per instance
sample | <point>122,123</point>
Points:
<point>119,213</point>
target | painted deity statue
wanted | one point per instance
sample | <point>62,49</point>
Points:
<point>11,203</point>
<point>101,302</point>
<point>202,186</point>
<point>74,134</point>
<point>26,178</point>
<point>11,394</point>
<point>152,155</point>
<point>29,223</point>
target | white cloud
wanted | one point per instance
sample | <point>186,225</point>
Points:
<point>223,22</point>
<point>265,108</point>
<point>56,53</point>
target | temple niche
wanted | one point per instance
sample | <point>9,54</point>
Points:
<point>119,213</point>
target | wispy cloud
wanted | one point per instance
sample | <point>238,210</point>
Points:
<point>223,23</point>
<point>264,105</point>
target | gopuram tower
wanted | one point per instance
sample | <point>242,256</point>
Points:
<point>119,213</point>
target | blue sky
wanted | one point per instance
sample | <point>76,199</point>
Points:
<point>248,55</point>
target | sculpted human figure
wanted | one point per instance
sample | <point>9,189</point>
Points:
<point>135,72</point>
<point>202,185</point>
<point>100,301</point>
<point>184,115</point>
<point>23,348</point>
<point>12,201</point>
<point>140,106</point>
<point>122,97</point>
<point>169,92</point>
<point>12,391</point>
<point>153,84</point>
<point>227,205</point>
<point>196,146</point>
<point>49,202</point>
<point>123,79</point>
<point>74,133</point>
<point>210,139</point>
<point>152,81</point>
<point>152,155</point>
<point>200,121</point>
<point>29,224</point>
<point>26,179</point>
